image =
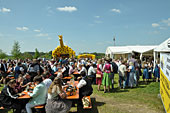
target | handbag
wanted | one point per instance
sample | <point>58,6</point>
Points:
<point>98,75</point>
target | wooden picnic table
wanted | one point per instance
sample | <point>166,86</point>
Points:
<point>25,96</point>
<point>76,94</point>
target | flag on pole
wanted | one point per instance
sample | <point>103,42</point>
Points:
<point>114,39</point>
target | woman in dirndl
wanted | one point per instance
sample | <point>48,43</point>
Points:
<point>107,69</point>
<point>99,71</point>
<point>56,102</point>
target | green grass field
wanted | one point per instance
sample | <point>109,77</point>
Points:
<point>143,99</point>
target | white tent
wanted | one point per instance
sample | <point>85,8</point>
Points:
<point>113,50</point>
<point>163,47</point>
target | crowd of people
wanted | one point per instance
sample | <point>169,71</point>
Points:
<point>49,87</point>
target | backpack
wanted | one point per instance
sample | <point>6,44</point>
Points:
<point>115,67</point>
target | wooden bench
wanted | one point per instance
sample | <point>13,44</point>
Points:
<point>69,77</point>
<point>90,106</point>
<point>40,108</point>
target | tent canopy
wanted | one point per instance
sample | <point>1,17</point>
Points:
<point>118,50</point>
<point>163,47</point>
<point>128,49</point>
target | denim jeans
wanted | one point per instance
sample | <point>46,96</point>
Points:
<point>122,81</point>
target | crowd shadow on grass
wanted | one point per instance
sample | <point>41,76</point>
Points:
<point>94,108</point>
<point>118,90</point>
<point>144,82</point>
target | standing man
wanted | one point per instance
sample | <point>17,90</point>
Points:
<point>3,70</point>
<point>115,70</point>
<point>122,74</point>
<point>92,72</point>
<point>34,69</point>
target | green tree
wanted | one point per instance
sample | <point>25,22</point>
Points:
<point>16,50</point>
<point>27,55</point>
<point>2,54</point>
<point>37,54</point>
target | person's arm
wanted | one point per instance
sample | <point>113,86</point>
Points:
<point>81,83</point>
<point>103,68</point>
<point>8,93</point>
<point>35,92</point>
<point>100,67</point>
<point>111,68</point>
<point>93,70</point>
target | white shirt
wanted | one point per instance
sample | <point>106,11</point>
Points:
<point>83,69</point>
<point>81,83</point>
<point>70,70</point>
<point>47,82</point>
<point>91,71</point>
<point>122,70</point>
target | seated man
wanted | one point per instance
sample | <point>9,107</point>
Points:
<point>46,80</point>
<point>38,96</point>
<point>85,88</point>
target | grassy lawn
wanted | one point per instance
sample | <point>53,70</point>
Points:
<point>143,99</point>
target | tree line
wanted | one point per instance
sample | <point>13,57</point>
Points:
<point>16,53</point>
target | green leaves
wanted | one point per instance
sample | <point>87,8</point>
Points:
<point>16,50</point>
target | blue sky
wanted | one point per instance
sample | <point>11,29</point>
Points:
<point>86,25</point>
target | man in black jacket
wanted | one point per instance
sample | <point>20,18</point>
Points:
<point>85,87</point>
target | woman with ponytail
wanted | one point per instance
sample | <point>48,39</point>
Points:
<point>56,102</point>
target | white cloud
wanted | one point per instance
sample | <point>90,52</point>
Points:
<point>155,25</point>
<point>67,9</point>
<point>37,30</point>
<point>98,22</point>
<point>5,10</point>
<point>22,28</point>
<point>116,10</point>
<point>97,16</point>
<point>42,35</point>
<point>167,22</point>
<point>163,28</point>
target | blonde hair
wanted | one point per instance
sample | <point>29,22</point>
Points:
<point>99,61</point>
<point>53,87</point>
<point>11,82</point>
